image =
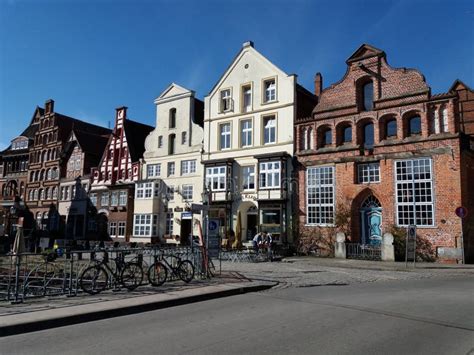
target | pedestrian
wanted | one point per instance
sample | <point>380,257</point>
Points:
<point>268,241</point>
<point>257,241</point>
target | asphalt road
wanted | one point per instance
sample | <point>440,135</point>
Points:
<point>428,316</point>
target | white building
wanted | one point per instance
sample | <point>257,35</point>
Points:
<point>248,145</point>
<point>172,171</point>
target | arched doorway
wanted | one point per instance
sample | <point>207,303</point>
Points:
<point>252,222</point>
<point>371,221</point>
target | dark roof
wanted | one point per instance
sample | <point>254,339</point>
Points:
<point>365,51</point>
<point>93,145</point>
<point>79,125</point>
<point>28,132</point>
<point>136,134</point>
<point>458,82</point>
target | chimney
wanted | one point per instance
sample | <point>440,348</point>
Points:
<point>121,113</point>
<point>247,44</point>
<point>318,84</point>
<point>49,106</point>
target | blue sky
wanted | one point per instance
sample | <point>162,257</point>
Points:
<point>93,56</point>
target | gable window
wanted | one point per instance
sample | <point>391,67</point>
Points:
<point>225,101</point>
<point>246,133</point>
<point>414,185</point>
<point>444,119</point>
<point>160,141</point>
<point>153,170</point>
<point>246,98</point>
<point>171,168</point>
<point>414,126</point>
<point>187,191</point>
<point>269,176</point>
<point>347,134</point>
<point>184,137</point>
<point>172,118</point>
<point>320,196</point>
<point>171,143</point>
<point>368,96</point>
<point>325,137</point>
<point>248,177</point>
<point>188,167</point>
<point>368,173</point>
<point>216,178</point>
<point>225,136</point>
<point>270,90</point>
<point>269,130</point>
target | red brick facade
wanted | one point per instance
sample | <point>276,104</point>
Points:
<point>338,134</point>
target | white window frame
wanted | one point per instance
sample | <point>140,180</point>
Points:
<point>368,173</point>
<point>267,127</point>
<point>247,177</point>
<point>246,133</point>
<point>160,141</point>
<point>269,175</point>
<point>323,180</point>
<point>123,198</point>
<point>170,193</point>
<point>113,229</point>
<point>143,224</point>
<point>187,190</point>
<point>225,100</point>
<point>169,223</point>
<point>406,187</point>
<point>153,170</point>
<point>121,225</point>
<point>247,95</point>
<point>216,177</point>
<point>225,136</point>
<point>144,190</point>
<point>184,137</point>
<point>171,172</point>
<point>104,198</point>
<point>269,90</point>
<point>188,167</point>
<point>114,198</point>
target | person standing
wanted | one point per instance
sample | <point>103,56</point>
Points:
<point>256,241</point>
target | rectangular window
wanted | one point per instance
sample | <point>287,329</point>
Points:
<point>246,133</point>
<point>225,136</point>
<point>320,196</point>
<point>144,190</point>
<point>121,229</point>
<point>171,168</point>
<point>123,198</point>
<point>170,193</point>
<point>160,141</point>
<point>113,229</point>
<point>270,90</point>
<point>142,225</point>
<point>216,178</point>
<point>269,175</point>
<point>187,191</point>
<point>188,167</point>
<point>184,137</point>
<point>153,170</point>
<point>368,173</point>
<point>269,130</point>
<point>248,177</point>
<point>104,200</point>
<point>246,98</point>
<point>114,199</point>
<point>414,184</point>
<point>93,197</point>
<point>169,223</point>
<point>226,101</point>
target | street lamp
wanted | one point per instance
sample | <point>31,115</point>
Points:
<point>206,201</point>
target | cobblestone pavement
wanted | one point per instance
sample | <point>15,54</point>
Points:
<point>305,272</point>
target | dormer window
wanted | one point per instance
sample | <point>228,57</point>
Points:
<point>367,96</point>
<point>172,118</point>
<point>246,98</point>
<point>226,101</point>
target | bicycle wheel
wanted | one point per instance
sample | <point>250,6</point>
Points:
<point>131,276</point>
<point>93,280</point>
<point>185,271</point>
<point>211,269</point>
<point>157,274</point>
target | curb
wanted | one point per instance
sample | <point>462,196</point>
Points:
<point>55,322</point>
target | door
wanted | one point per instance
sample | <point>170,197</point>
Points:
<point>251,226</point>
<point>371,221</point>
<point>186,230</point>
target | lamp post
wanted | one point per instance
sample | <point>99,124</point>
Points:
<point>164,200</point>
<point>206,201</point>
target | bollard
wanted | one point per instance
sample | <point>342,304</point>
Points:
<point>388,250</point>
<point>340,246</point>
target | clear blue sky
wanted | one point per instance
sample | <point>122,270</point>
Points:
<point>93,56</point>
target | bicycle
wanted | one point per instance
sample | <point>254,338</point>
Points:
<point>94,279</point>
<point>158,271</point>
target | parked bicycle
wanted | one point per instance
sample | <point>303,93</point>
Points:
<point>158,271</point>
<point>95,278</point>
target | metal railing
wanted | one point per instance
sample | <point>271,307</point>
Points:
<point>363,251</point>
<point>29,275</point>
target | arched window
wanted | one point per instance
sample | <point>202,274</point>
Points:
<point>48,193</point>
<point>347,134</point>
<point>325,137</point>
<point>48,174</point>
<point>42,175</point>
<point>54,173</point>
<point>367,99</point>
<point>414,126</point>
<point>391,128</point>
<point>368,135</point>
<point>311,138</point>
<point>172,118</point>
<point>32,176</point>
<point>30,195</point>
<point>41,194</point>
<point>22,188</point>
<point>48,155</point>
<point>35,195</point>
<point>55,193</point>
<point>171,143</point>
<point>37,174</point>
<point>444,119</point>
<point>305,142</point>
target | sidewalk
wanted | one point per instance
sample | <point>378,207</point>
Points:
<point>44,313</point>
<point>378,265</point>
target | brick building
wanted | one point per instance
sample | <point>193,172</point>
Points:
<point>382,147</point>
<point>47,165</point>
<point>113,181</point>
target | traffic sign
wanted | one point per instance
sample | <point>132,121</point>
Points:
<point>461,212</point>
